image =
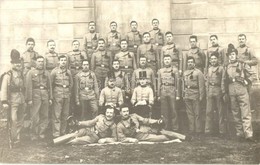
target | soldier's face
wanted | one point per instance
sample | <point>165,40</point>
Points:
<point>242,40</point>
<point>111,82</point>
<point>75,45</point>
<point>85,66</point>
<point>155,24</point>
<point>167,61</point>
<point>115,65</point>
<point>123,45</point>
<point>169,38</point>
<point>63,62</point>
<point>146,38</point>
<point>113,27</point>
<point>40,63</point>
<point>134,26</point>
<point>213,41</point>
<point>124,112</point>
<point>191,64</point>
<point>193,43</point>
<point>143,82</point>
<point>30,46</point>
<point>232,57</point>
<point>101,45</point>
<point>142,61</point>
<point>17,66</point>
<point>92,27</point>
<point>213,60</point>
<point>51,46</point>
<point>110,114</point>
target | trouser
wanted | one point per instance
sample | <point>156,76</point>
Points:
<point>215,103</point>
<point>89,109</point>
<point>84,136</point>
<point>240,108</point>
<point>17,117</point>
<point>101,74</point>
<point>142,110</point>
<point>150,137</point>
<point>168,109</point>
<point>194,115</point>
<point>39,117</point>
<point>60,115</point>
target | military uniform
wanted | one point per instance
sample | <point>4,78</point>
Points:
<point>199,56</point>
<point>75,60</point>
<point>194,91</point>
<point>91,42</point>
<point>12,93</point>
<point>111,95</point>
<point>51,61</point>
<point>168,90</point>
<point>126,129</point>
<point>62,82</point>
<point>214,99</point>
<point>121,81</point>
<point>222,58</point>
<point>150,77</point>
<point>134,39</point>
<point>127,61</point>
<point>87,93</point>
<point>39,91</point>
<point>113,42</point>
<point>28,61</point>
<point>149,51</point>
<point>101,62</point>
<point>176,55</point>
<point>235,75</point>
<point>247,55</point>
<point>97,128</point>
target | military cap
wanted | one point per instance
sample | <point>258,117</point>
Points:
<point>15,56</point>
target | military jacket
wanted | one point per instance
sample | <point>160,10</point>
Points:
<point>111,95</point>
<point>51,61</point>
<point>222,59</point>
<point>157,37</point>
<point>247,55</point>
<point>113,39</point>
<point>126,60</point>
<point>143,93</point>
<point>175,54</point>
<point>91,40</point>
<point>199,56</point>
<point>101,59</point>
<point>29,59</point>
<point>75,59</point>
<point>150,52</point>
<point>214,80</point>
<point>134,39</point>
<point>121,80</point>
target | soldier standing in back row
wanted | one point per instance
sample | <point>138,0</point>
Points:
<point>194,91</point>
<point>39,97</point>
<point>134,38</point>
<point>51,57</point>
<point>91,39</point>
<point>113,39</point>
<point>238,76</point>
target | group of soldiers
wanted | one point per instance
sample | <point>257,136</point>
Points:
<point>129,73</point>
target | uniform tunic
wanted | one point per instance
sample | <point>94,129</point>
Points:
<point>134,39</point>
<point>200,58</point>
<point>176,55</point>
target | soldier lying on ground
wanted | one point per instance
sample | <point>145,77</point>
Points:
<point>101,129</point>
<point>128,129</point>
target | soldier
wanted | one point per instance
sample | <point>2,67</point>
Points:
<point>39,97</point>
<point>169,93</point>
<point>143,97</point>
<point>51,57</point>
<point>91,39</point>
<point>214,96</point>
<point>194,91</point>
<point>62,81</point>
<point>215,47</point>
<point>149,73</point>
<point>87,92</point>
<point>157,36</point>
<point>149,51</point>
<point>128,129</point>
<point>113,39</point>
<point>195,52</point>
<point>12,97</point>
<point>170,49</point>
<point>237,77</point>
<point>29,56</point>
<point>101,129</point>
<point>75,58</point>
<point>245,53</point>
<point>134,38</point>
<point>111,95</point>
<point>101,62</point>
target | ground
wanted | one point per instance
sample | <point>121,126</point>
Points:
<point>206,150</point>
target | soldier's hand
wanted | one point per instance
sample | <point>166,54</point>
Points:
<point>177,98</point>
<point>50,102</point>
<point>5,106</point>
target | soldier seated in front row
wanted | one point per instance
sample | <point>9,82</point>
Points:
<point>128,129</point>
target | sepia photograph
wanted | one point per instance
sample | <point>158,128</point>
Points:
<point>129,82</point>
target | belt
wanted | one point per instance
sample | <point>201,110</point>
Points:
<point>86,88</point>
<point>75,67</point>
<point>40,87</point>
<point>157,44</point>
<point>63,86</point>
<point>132,46</point>
<point>16,89</point>
<point>191,87</point>
<point>168,84</point>
<point>214,84</point>
<point>103,66</point>
<point>126,67</point>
